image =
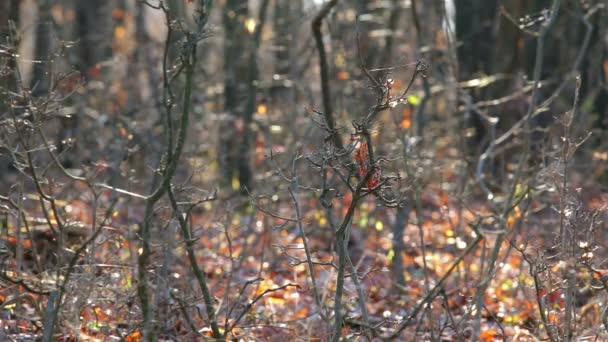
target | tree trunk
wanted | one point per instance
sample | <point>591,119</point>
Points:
<point>474,31</point>
<point>283,37</point>
<point>40,75</point>
<point>9,20</point>
<point>94,32</point>
<point>9,10</point>
<point>233,128</point>
<point>93,29</point>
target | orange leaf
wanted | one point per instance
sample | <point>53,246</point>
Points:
<point>12,240</point>
<point>94,71</point>
<point>407,118</point>
<point>513,217</point>
<point>120,32</point>
<point>489,335</point>
<point>123,132</point>
<point>118,13</point>
<point>343,75</point>
<point>262,109</point>
<point>134,336</point>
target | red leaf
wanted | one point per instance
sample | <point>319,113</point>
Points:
<point>375,178</point>
<point>361,155</point>
<point>362,158</point>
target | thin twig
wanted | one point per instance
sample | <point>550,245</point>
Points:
<point>309,261</point>
<point>256,299</point>
<point>436,290</point>
<point>538,66</point>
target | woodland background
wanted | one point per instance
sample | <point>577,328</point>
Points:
<point>283,170</point>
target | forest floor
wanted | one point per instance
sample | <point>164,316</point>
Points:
<point>258,274</point>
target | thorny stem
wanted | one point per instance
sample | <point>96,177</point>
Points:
<point>256,299</point>
<point>360,294</point>
<point>311,269</point>
<point>341,245</point>
<point>72,264</point>
<point>362,128</point>
<point>427,283</point>
<point>535,270</point>
<point>198,273</point>
<point>436,290</point>
<point>157,194</point>
<point>173,156</point>
<point>538,65</point>
<point>566,232</point>
<point>54,308</point>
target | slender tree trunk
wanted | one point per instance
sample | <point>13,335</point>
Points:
<point>399,226</point>
<point>40,76</point>
<point>282,29</point>
<point>9,10</point>
<point>233,129</point>
<point>474,29</point>
<point>9,21</point>
<point>93,29</point>
<point>394,13</point>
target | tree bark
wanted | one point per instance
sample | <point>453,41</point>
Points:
<point>233,130</point>
<point>9,19</point>
<point>40,75</point>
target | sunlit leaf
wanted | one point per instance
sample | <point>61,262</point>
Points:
<point>512,219</point>
<point>120,32</point>
<point>363,221</point>
<point>134,336</point>
<point>340,60</point>
<point>250,25</point>
<point>379,226</point>
<point>599,155</point>
<point>302,313</point>
<point>390,255</point>
<point>413,100</point>
<point>322,221</point>
<point>343,75</point>
<point>519,190</point>
<point>236,184</point>
<point>489,335</point>
<point>262,109</point>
